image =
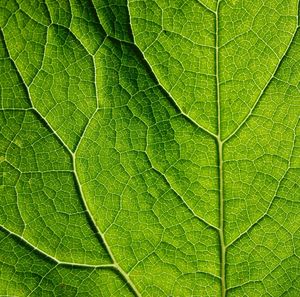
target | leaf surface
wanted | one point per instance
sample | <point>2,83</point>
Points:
<point>149,148</point>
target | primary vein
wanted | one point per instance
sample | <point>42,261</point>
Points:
<point>220,156</point>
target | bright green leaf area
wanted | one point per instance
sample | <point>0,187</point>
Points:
<point>150,148</point>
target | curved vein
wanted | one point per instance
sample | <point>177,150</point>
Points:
<point>272,200</point>
<point>205,6</point>
<point>52,258</point>
<point>170,97</point>
<point>33,108</point>
<point>178,195</point>
<point>115,264</point>
<point>263,90</point>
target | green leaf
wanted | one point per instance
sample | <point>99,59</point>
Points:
<point>149,148</point>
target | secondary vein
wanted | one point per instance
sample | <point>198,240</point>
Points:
<point>262,92</point>
<point>109,251</point>
<point>73,156</point>
<point>52,258</point>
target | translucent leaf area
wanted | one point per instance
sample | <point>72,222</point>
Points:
<point>150,148</point>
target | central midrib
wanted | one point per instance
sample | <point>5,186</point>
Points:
<point>220,157</point>
<point>219,145</point>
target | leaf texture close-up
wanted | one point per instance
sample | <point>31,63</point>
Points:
<point>150,148</point>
